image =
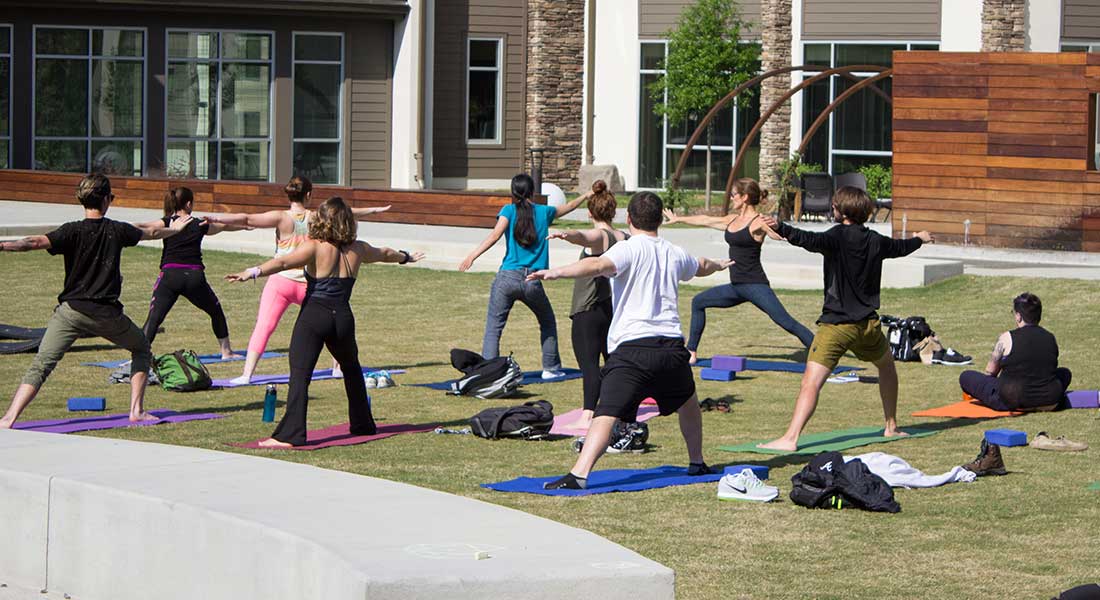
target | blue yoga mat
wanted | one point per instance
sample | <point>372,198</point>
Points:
<point>529,377</point>
<point>776,365</point>
<point>206,359</point>
<point>611,480</point>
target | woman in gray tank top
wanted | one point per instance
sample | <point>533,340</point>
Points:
<point>591,311</point>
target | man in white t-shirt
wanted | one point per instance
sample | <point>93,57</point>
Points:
<point>647,357</point>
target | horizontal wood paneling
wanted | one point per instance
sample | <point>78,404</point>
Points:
<point>913,20</point>
<point>1000,140</point>
<point>657,17</point>
<point>423,207</point>
<point>1081,20</point>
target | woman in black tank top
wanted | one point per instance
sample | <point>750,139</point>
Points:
<point>744,232</point>
<point>591,310</point>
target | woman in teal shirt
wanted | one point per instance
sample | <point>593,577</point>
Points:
<point>525,227</point>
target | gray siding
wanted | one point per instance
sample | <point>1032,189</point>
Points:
<point>368,84</point>
<point>655,17</point>
<point>455,22</point>
<point>1081,20</point>
<point>902,20</point>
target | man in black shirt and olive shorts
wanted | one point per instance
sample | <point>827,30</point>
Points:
<point>853,258</point>
<point>89,304</point>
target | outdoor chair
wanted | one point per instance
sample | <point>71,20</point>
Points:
<point>856,180</point>
<point>817,194</point>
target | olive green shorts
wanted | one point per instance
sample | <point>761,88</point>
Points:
<point>863,338</point>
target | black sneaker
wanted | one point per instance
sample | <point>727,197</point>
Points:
<point>948,356</point>
<point>628,438</point>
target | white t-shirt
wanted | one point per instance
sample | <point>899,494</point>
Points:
<point>645,288</point>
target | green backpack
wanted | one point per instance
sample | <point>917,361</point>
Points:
<point>182,371</point>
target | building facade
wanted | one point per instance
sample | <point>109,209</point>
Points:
<point>452,94</point>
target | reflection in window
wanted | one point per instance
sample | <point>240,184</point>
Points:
<point>89,94</point>
<point>483,98</point>
<point>5,96</point>
<point>219,105</point>
<point>318,78</point>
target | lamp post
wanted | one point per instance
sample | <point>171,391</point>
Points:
<point>536,167</point>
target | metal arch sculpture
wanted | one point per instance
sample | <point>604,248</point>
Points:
<point>824,116</point>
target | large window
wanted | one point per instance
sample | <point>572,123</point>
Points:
<point>5,96</point>
<point>859,131</point>
<point>483,90</point>
<point>89,97</point>
<point>218,115</point>
<point>661,144</point>
<point>318,81</point>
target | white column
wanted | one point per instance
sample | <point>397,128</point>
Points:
<point>616,88</point>
<point>961,25</point>
<point>406,116</point>
<point>797,58</point>
<point>1044,25</point>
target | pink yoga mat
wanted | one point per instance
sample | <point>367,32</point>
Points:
<point>339,435</point>
<point>645,413</point>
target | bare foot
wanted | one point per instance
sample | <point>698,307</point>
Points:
<point>694,357</point>
<point>143,418</point>
<point>274,443</point>
<point>894,432</point>
<point>5,424</point>
<point>780,444</point>
<point>231,356</point>
<point>581,423</point>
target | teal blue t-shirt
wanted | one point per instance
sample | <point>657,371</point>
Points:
<point>538,255</point>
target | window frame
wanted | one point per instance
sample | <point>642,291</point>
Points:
<point>294,62</point>
<point>10,55</point>
<point>218,140</point>
<point>498,140</point>
<point>89,139</point>
<point>831,148</point>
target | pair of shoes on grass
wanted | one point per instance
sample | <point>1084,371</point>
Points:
<point>378,379</point>
<point>1042,441</point>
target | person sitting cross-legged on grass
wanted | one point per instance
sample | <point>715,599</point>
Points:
<point>89,304</point>
<point>1023,372</point>
<point>853,256</point>
<point>646,349</point>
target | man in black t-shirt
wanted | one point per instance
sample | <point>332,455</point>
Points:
<point>88,303</point>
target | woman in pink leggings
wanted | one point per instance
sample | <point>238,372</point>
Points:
<point>288,287</point>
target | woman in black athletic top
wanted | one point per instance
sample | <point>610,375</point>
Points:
<point>591,311</point>
<point>332,257</point>
<point>181,269</point>
<point>745,234</point>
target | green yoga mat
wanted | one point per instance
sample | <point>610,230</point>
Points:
<point>842,439</point>
<point>1095,486</point>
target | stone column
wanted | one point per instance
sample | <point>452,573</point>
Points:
<point>555,87</point>
<point>775,136</point>
<point>1004,26</point>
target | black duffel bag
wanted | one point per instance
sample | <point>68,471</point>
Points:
<point>529,421</point>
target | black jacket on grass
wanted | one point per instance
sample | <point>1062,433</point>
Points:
<point>853,267</point>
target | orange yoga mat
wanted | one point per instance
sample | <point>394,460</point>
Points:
<point>967,409</point>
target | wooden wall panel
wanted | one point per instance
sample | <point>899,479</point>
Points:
<point>1000,140</point>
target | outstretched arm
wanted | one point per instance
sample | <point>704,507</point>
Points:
<point>571,206</point>
<point>595,266</point>
<point>300,257</point>
<point>698,220</point>
<point>897,248</point>
<point>216,228</point>
<point>34,242</point>
<point>494,235</point>
<point>808,240</point>
<point>155,230</point>
<point>372,254</point>
<point>264,220</point>
<point>708,266</point>
<point>589,238</point>
<point>362,212</point>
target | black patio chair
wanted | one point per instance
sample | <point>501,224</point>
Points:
<point>856,180</point>
<point>817,194</point>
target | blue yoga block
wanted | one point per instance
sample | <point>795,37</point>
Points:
<point>1006,437</point>
<point>728,363</point>
<point>87,404</point>
<point>718,375</point>
<point>761,471</point>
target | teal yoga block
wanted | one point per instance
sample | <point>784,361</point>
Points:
<point>87,404</point>
<point>761,471</point>
<point>1006,437</point>
<point>718,375</point>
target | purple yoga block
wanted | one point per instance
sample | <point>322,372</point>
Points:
<point>87,404</point>
<point>717,375</point>
<point>761,471</point>
<point>1084,399</point>
<point>728,363</point>
<point>1006,437</point>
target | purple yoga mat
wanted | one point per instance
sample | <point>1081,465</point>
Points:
<point>318,375</point>
<point>339,435</point>
<point>1084,399</point>
<point>645,413</point>
<point>110,422</point>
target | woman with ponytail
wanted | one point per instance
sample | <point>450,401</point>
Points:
<point>525,227</point>
<point>745,232</point>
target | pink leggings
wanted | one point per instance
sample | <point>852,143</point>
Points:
<point>279,293</point>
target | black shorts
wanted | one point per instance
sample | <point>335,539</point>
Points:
<point>650,367</point>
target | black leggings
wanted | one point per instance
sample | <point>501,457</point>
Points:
<point>589,344</point>
<point>323,324</point>
<point>191,284</point>
<point>986,389</point>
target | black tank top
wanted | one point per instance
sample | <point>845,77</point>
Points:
<point>330,289</point>
<point>1027,373</point>
<point>745,253</point>
<point>184,248</point>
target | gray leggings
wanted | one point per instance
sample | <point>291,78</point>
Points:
<point>508,287</point>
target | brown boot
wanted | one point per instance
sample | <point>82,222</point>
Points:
<point>988,462</point>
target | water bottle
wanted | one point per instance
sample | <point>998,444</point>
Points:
<point>269,404</point>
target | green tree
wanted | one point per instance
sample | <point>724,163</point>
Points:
<point>706,60</point>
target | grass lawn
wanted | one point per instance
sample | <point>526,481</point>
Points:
<point>1021,536</point>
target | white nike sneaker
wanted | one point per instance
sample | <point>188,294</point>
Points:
<point>746,486</point>
<point>550,374</point>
